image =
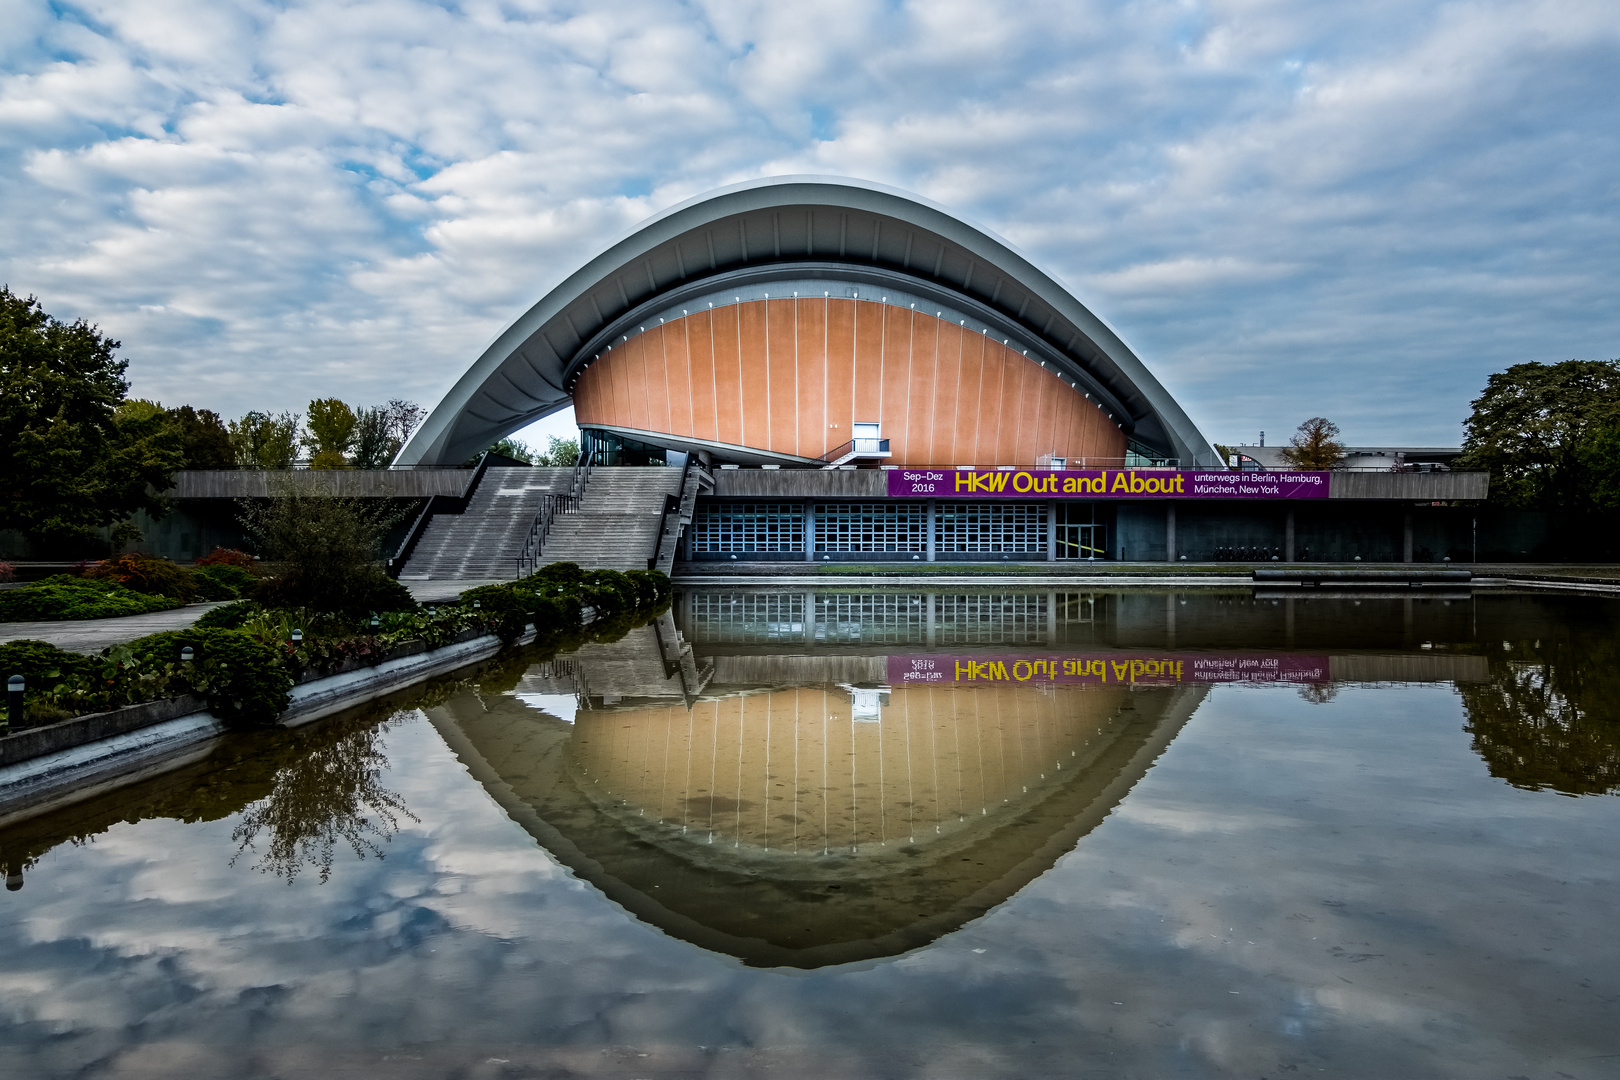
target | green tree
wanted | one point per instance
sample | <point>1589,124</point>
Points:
<point>380,433</point>
<point>562,453</point>
<point>324,551</point>
<point>1315,445</point>
<point>330,433</point>
<point>204,439</point>
<point>517,451</point>
<point>70,463</point>
<point>262,441</point>
<point>1541,428</point>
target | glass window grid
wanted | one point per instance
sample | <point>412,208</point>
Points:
<point>995,619</point>
<point>878,619</point>
<point>871,526</point>
<point>746,618</point>
<point>990,527</point>
<point>730,527</point>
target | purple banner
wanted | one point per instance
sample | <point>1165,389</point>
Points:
<point>1103,484</point>
<point>1108,669</point>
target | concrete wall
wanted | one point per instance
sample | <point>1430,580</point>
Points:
<point>344,483</point>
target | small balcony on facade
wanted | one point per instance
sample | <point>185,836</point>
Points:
<point>867,445</point>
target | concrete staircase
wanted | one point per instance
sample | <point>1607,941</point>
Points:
<point>618,519</point>
<point>485,541</point>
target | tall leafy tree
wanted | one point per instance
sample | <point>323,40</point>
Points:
<point>204,439</point>
<point>330,433</point>
<point>1315,445</point>
<point>1540,430</point>
<point>380,432</point>
<point>70,461</point>
<point>262,441</point>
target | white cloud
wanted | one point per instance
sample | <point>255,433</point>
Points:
<point>1368,205</point>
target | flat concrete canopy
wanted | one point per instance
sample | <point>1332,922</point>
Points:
<point>793,228</point>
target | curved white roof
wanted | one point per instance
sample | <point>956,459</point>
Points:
<point>791,228</point>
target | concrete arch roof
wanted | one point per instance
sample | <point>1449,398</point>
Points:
<point>790,228</point>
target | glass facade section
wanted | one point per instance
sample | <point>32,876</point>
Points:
<point>871,619</point>
<point>991,527</point>
<point>736,527</point>
<point>871,527</point>
<point>746,618</point>
<point>997,619</point>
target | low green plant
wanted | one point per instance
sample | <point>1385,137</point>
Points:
<point>229,617</point>
<point>45,669</point>
<point>64,598</point>
<point>221,581</point>
<point>244,679</point>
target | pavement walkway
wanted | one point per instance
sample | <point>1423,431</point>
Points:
<point>93,635</point>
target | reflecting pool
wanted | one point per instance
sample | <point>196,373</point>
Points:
<point>879,833</point>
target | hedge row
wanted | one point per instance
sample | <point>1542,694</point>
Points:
<point>130,585</point>
<point>243,661</point>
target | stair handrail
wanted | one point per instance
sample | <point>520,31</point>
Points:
<point>551,504</point>
<point>582,472</point>
<point>663,556</point>
<point>436,504</point>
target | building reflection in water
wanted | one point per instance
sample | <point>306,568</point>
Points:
<point>815,777</point>
<point>817,824</point>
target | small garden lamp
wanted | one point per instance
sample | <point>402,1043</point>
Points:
<point>375,622</point>
<point>186,655</point>
<point>14,701</point>
<point>478,605</point>
<point>297,636</point>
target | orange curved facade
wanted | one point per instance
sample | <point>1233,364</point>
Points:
<point>792,376</point>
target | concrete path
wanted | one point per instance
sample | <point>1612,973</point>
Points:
<point>93,635</point>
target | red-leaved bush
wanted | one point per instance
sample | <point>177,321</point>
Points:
<point>224,556</point>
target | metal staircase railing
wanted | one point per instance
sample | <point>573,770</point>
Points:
<point>677,516</point>
<point>550,506</point>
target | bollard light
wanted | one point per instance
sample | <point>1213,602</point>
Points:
<point>478,605</point>
<point>375,622</point>
<point>186,655</point>
<point>14,701</point>
<point>432,611</point>
<point>297,636</point>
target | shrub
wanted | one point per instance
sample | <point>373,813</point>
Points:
<point>223,556</point>
<point>144,574</point>
<point>324,551</point>
<point>63,597</point>
<point>652,587</point>
<point>41,664</point>
<point>229,617</point>
<point>224,581</point>
<point>242,678</point>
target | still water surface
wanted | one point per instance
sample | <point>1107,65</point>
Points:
<point>879,834</point>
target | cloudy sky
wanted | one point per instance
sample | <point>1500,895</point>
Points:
<point>1288,207</point>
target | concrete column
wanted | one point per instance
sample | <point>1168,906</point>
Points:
<point>1170,620</point>
<point>809,618</point>
<point>1051,619</point>
<point>809,514</point>
<point>1288,540</point>
<point>1169,532</point>
<point>1406,537</point>
<point>928,604</point>
<point>931,546</point>
<point>1051,530</point>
